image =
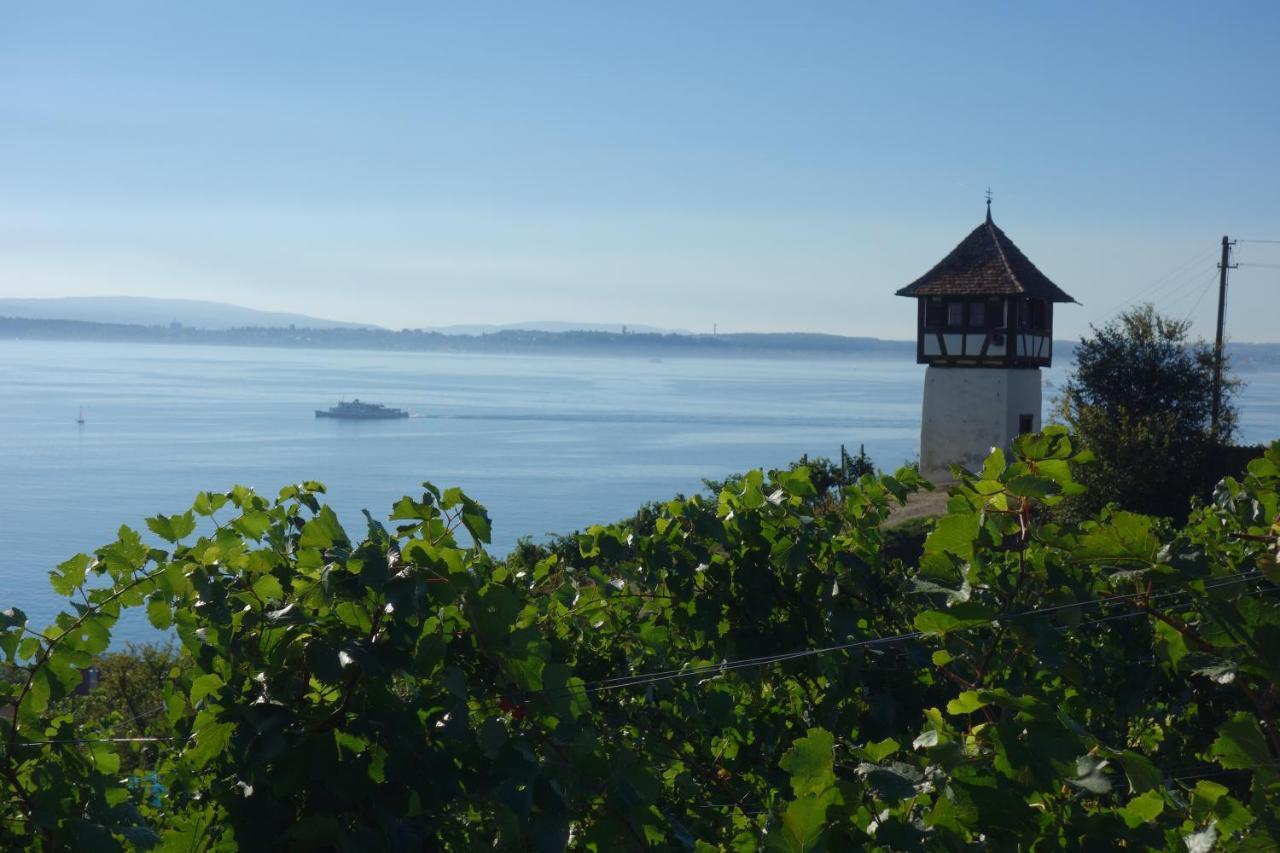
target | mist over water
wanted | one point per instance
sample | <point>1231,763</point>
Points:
<point>549,444</point>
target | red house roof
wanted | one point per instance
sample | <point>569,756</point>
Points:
<point>986,263</point>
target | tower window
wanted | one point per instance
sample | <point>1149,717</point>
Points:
<point>1036,314</point>
<point>1024,424</point>
<point>977,315</point>
<point>933,313</point>
<point>995,314</point>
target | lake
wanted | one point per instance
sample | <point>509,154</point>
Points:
<point>549,444</point>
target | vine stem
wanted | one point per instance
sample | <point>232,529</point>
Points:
<point>332,720</point>
<point>12,775</point>
<point>47,651</point>
<point>8,769</point>
<point>1024,527</point>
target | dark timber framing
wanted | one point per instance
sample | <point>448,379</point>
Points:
<point>1027,341</point>
<point>985,305</point>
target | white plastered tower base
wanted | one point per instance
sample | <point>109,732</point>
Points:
<point>969,410</point>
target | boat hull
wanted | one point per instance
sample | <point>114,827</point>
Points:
<point>378,416</point>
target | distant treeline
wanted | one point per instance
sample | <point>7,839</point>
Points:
<point>505,341</point>
<point>1244,357</point>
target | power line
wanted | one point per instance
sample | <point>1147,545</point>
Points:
<point>1175,274</point>
<point>1207,287</point>
<point>1186,290</point>
<point>642,679</point>
<point>80,740</point>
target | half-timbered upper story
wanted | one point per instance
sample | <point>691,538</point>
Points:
<point>985,305</point>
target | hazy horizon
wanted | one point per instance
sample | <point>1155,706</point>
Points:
<point>746,166</point>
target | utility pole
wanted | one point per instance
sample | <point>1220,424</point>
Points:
<point>1224,265</point>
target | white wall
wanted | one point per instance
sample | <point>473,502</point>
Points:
<point>969,410</point>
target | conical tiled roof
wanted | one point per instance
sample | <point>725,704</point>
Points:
<point>986,263</point>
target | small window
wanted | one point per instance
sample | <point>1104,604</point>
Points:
<point>995,314</point>
<point>977,315</point>
<point>933,313</point>
<point>955,313</point>
<point>1024,424</point>
<point>1038,319</point>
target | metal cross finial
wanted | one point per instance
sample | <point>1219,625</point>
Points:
<point>988,198</point>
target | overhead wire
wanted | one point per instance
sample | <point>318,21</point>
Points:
<point>1207,287</point>
<point>1177,274</point>
<point>643,679</point>
<point>1187,289</point>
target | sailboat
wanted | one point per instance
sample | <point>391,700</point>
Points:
<point>80,417</point>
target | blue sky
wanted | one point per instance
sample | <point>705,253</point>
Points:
<point>771,166</point>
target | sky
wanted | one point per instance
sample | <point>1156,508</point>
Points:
<point>744,166</point>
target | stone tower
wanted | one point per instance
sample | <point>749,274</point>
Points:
<point>984,328</point>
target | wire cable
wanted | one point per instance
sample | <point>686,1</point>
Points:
<point>642,679</point>
<point>1150,289</point>
<point>1208,286</point>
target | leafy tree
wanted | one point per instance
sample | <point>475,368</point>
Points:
<point>1141,398</point>
<point>130,700</point>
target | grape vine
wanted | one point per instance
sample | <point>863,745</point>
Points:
<point>746,672</point>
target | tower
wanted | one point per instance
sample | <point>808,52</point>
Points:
<point>984,328</point>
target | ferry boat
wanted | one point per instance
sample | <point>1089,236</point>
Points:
<point>356,410</point>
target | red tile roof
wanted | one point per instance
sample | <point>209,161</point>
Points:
<point>986,263</point>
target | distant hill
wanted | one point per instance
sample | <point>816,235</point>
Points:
<point>552,326</point>
<point>145,311</point>
<point>783,345</point>
<point>1245,357</point>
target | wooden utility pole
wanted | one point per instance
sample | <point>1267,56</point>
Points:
<point>1224,265</point>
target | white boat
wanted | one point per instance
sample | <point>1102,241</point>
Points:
<point>356,410</point>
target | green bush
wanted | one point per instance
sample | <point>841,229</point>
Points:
<point>1140,398</point>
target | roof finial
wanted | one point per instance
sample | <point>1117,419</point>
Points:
<point>988,204</point>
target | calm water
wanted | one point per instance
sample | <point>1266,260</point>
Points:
<point>547,443</point>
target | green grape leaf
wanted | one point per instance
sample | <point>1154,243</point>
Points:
<point>69,574</point>
<point>159,613</point>
<point>172,528</point>
<point>804,824</point>
<point>1143,808</point>
<point>810,761</point>
<point>1240,744</point>
<point>966,703</point>
<point>252,523</point>
<point>877,752</point>
<point>962,615</point>
<point>322,531</point>
<point>1126,536</point>
<point>474,516</point>
<point>204,685</point>
<point>1032,486</point>
<point>207,503</point>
